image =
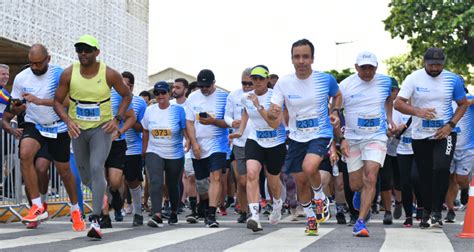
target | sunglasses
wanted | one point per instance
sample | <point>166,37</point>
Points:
<point>257,77</point>
<point>160,92</point>
<point>84,48</point>
<point>247,83</point>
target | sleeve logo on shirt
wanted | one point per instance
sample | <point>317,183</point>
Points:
<point>291,97</point>
<point>422,89</point>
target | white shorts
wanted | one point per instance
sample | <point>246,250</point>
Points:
<point>365,150</point>
<point>188,167</point>
<point>463,161</point>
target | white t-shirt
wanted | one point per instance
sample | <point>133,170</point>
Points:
<point>165,130</point>
<point>259,130</point>
<point>188,153</point>
<point>465,128</point>
<point>43,87</point>
<point>432,92</point>
<point>233,111</point>
<point>364,107</point>
<point>211,138</point>
<point>404,145</point>
<point>307,104</point>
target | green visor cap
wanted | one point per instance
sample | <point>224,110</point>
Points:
<point>88,40</point>
<point>259,71</point>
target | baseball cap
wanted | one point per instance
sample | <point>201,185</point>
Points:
<point>366,58</point>
<point>161,85</point>
<point>88,40</point>
<point>205,78</point>
<point>434,56</point>
<point>259,71</point>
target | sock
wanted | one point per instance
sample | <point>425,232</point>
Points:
<point>212,211</point>
<point>277,203</point>
<point>37,202</point>
<point>318,192</point>
<point>136,194</point>
<point>254,210</point>
<point>308,210</point>
<point>74,207</point>
<point>193,203</point>
<point>116,200</point>
<point>44,197</point>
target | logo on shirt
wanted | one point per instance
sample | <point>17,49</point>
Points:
<point>422,89</point>
<point>294,97</point>
<point>356,96</point>
<point>99,81</point>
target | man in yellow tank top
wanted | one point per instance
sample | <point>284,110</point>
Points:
<point>89,117</point>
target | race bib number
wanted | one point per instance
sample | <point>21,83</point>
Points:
<point>49,130</point>
<point>266,134</point>
<point>161,133</point>
<point>431,125</point>
<point>368,123</point>
<point>406,140</point>
<point>307,123</point>
<point>88,112</point>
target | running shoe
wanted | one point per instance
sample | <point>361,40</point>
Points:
<point>242,218</point>
<point>387,218</point>
<point>35,214</point>
<point>375,208</point>
<point>408,222</point>
<point>436,220</point>
<point>137,220</point>
<point>267,210</point>
<point>353,220</point>
<point>360,230</point>
<point>94,229</point>
<point>311,227</point>
<point>275,216</point>
<point>128,209</point>
<point>173,219</point>
<point>78,223</point>
<point>155,221</point>
<point>419,213</point>
<point>450,216</point>
<point>118,216</point>
<point>322,210</point>
<point>105,221</point>
<point>192,218</point>
<point>356,201</point>
<point>254,225</point>
<point>294,214</point>
<point>424,220</point>
<point>211,222</point>
<point>223,211</point>
<point>341,218</point>
<point>397,210</point>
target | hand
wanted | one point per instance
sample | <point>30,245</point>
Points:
<point>254,99</point>
<point>116,135</point>
<point>334,119</point>
<point>273,112</point>
<point>427,113</point>
<point>18,132</point>
<point>73,129</point>
<point>392,129</point>
<point>209,120</point>
<point>187,146</point>
<point>197,151</point>
<point>111,126</point>
<point>31,98</point>
<point>235,135</point>
<point>443,132</point>
<point>236,124</point>
<point>333,157</point>
<point>345,148</point>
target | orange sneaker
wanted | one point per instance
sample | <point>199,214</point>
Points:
<point>78,223</point>
<point>35,214</point>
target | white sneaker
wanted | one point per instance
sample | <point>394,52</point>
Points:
<point>294,214</point>
<point>128,209</point>
<point>300,211</point>
<point>275,216</point>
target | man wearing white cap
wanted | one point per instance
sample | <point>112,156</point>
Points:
<point>368,115</point>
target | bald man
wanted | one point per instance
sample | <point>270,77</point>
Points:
<point>43,127</point>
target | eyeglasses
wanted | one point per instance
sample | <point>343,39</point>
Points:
<point>247,83</point>
<point>160,92</point>
<point>84,48</point>
<point>257,77</point>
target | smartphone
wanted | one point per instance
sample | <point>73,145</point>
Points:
<point>203,114</point>
<point>17,102</point>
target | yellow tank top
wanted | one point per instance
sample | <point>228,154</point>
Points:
<point>89,104</point>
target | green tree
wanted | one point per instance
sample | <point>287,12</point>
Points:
<point>447,24</point>
<point>401,66</point>
<point>340,76</point>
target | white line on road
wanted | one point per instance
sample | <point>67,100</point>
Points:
<point>285,239</point>
<point>12,230</point>
<point>153,241</point>
<point>410,239</point>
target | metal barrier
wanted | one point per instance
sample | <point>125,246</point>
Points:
<point>13,198</point>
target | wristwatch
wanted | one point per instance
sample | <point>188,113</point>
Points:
<point>118,118</point>
<point>451,124</point>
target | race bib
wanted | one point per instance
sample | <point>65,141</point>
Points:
<point>307,123</point>
<point>48,130</point>
<point>431,125</point>
<point>266,134</point>
<point>88,112</point>
<point>161,133</point>
<point>368,123</point>
<point>405,140</point>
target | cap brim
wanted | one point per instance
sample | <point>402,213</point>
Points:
<point>434,61</point>
<point>160,89</point>
<point>260,75</point>
<point>85,43</point>
<point>365,62</point>
<point>203,84</point>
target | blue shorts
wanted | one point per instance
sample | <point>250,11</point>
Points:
<point>297,152</point>
<point>204,166</point>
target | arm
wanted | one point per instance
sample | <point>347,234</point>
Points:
<point>192,138</point>
<point>6,119</point>
<point>58,103</point>
<point>388,110</point>
<point>115,80</point>
<point>145,137</point>
<point>335,107</point>
<point>129,121</point>
<point>401,104</point>
<point>33,99</point>
<point>243,125</point>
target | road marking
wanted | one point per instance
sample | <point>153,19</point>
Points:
<point>409,239</point>
<point>153,241</point>
<point>284,239</point>
<point>12,230</point>
<point>47,238</point>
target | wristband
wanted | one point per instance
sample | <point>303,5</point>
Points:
<point>451,124</point>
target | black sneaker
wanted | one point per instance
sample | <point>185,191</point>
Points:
<point>341,218</point>
<point>450,217</point>
<point>173,219</point>
<point>387,218</point>
<point>419,213</point>
<point>192,218</point>
<point>242,218</point>
<point>353,220</point>
<point>375,208</point>
<point>397,210</point>
<point>137,220</point>
<point>155,221</point>
<point>105,222</point>
<point>166,214</point>
<point>211,222</point>
<point>408,222</point>
<point>424,220</point>
<point>436,220</point>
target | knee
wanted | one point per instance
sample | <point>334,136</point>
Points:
<point>215,177</point>
<point>202,186</point>
<point>242,181</point>
<point>370,178</point>
<point>463,182</point>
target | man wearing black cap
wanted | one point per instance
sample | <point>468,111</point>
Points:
<point>208,135</point>
<point>431,91</point>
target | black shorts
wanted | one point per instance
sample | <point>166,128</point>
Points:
<point>116,158</point>
<point>133,168</point>
<point>204,166</point>
<point>59,147</point>
<point>273,158</point>
<point>326,165</point>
